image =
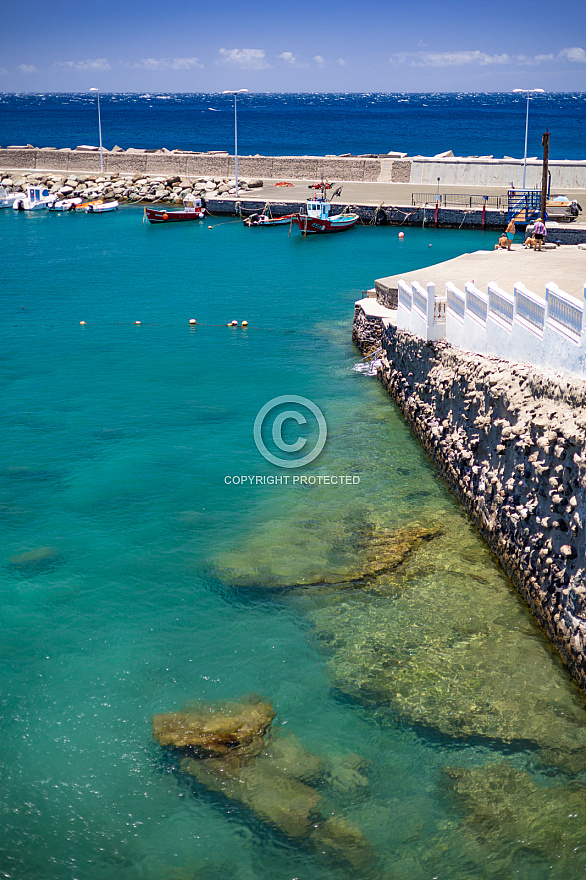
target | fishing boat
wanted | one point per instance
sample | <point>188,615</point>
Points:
<point>64,204</point>
<point>103,208</point>
<point>317,218</point>
<point>193,209</point>
<point>33,198</point>
<point>268,220</point>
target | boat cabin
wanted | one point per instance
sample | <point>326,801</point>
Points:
<point>318,208</point>
<point>192,204</point>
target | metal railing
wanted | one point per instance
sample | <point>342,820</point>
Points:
<point>463,200</point>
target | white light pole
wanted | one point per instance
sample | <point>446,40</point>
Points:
<point>237,92</point>
<point>100,130</point>
<point>528,92</point>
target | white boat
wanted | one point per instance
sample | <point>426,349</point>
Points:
<point>7,198</point>
<point>103,208</point>
<point>33,198</point>
<point>64,204</point>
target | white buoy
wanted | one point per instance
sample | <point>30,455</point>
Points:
<point>401,235</point>
<point>245,323</point>
<point>82,322</point>
<point>192,321</point>
<point>137,322</point>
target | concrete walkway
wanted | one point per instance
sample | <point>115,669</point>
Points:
<point>362,193</point>
<point>564,265</point>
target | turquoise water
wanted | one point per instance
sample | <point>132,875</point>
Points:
<point>135,580</point>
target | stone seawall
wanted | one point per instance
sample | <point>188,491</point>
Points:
<point>420,171</point>
<point>510,443</point>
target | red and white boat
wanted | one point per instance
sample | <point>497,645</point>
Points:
<point>317,218</point>
<point>193,209</point>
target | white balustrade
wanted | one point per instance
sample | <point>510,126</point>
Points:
<point>522,327</point>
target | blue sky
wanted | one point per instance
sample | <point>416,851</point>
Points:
<point>307,45</point>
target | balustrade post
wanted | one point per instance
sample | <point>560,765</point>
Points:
<point>430,303</point>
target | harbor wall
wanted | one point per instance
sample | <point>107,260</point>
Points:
<point>419,171</point>
<point>510,442</point>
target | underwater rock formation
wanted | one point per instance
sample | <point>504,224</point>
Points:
<point>229,749</point>
<point>215,730</point>
<point>36,561</point>
<point>358,554</point>
<point>503,804</point>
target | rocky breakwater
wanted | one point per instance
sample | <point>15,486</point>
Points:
<point>129,187</point>
<point>510,442</point>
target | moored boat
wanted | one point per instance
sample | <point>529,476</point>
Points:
<point>33,198</point>
<point>64,204</point>
<point>193,209</point>
<point>7,198</point>
<point>85,205</point>
<point>317,218</point>
<point>103,208</point>
<point>268,220</point>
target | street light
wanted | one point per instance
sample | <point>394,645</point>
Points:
<point>100,130</point>
<point>528,92</point>
<point>237,92</point>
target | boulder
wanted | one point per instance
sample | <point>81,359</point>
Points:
<point>214,729</point>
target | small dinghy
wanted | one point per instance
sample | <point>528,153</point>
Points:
<point>64,204</point>
<point>103,208</point>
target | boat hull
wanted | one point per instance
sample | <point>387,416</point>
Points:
<point>155,215</point>
<point>262,220</point>
<point>322,226</point>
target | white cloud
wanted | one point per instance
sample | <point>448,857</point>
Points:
<point>484,59</point>
<point>574,54</point>
<point>95,64</point>
<point>185,63</point>
<point>248,59</point>
<point>448,59</point>
<point>341,62</point>
<point>319,60</point>
<point>163,64</point>
<point>288,57</point>
<point>27,68</point>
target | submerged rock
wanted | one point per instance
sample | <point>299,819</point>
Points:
<point>36,561</point>
<point>230,749</point>
<point>454,653</point>
<point>506,806</point>
<point>356,555</point>
<point>215,729</point>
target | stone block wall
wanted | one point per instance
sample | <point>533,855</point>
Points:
<point>510,441</point>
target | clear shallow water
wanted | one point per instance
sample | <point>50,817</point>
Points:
<point>153,583</point>
<point>299,124</point>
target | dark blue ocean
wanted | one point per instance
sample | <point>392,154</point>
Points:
<point>303,124</point>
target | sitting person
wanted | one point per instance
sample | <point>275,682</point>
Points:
<point>502,242</point>
<point>530,241</point>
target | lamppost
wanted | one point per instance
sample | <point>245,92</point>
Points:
<point>100,130</point>
<point>528,92</point>
<point>235,93</point>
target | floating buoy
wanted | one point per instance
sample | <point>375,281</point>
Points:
<point>245,323</point>
<point>401,235</point>
<point>165,216</point>
<point>137,322</point>
<point>210,227</point>
<point>82,322</point>
<point>192,321</point>
<point>233,323</point>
